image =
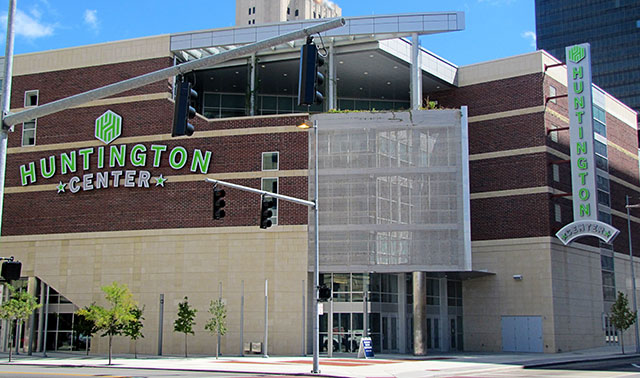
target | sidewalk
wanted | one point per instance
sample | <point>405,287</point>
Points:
<point>347,366</point>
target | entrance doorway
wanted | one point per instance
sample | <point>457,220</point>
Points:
<point>433,333</point>
<point>390,333</point>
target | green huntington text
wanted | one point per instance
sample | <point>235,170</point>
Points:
<point>581,145</point>
<point>113,157</point>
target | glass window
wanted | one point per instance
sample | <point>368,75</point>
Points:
<point>554,134</point>
<point>341,282</point>
<point>599,115</point>
<point>602,183</point>
<point>556,173</point>
<point>271,185</point>
<point>297,12</point>
<point>558,213</point>
<point>606,262</point>
<point>603,198</point>
<point>600,128</point>
<point>602,163</point>
<point>433,292</point>
<point>600,148</point>
<point>553,92</point>
<point>270,161</point>
<point>31,98</point>
<point>604,217</point>
<point>29,133</point>
<point>358,281</point>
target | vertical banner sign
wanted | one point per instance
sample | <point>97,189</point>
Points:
<point>583,167</point>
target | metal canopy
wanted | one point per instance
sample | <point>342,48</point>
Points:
<point>365,27</point>
<point>372,57</point>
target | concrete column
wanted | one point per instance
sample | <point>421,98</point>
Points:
<point>332,81</point>
<point>29,326</point>
<point>41,318</point>
<point>419,314</point>
<point>46,321</point>
<point>253,95</point>
<point>416,73</point>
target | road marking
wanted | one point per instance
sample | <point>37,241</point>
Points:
<point>63,374</point>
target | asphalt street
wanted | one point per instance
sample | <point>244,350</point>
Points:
<point>7,371</point>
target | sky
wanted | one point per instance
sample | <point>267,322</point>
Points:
<point>494,28</point>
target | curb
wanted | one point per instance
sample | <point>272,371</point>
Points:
<point>545,364</point>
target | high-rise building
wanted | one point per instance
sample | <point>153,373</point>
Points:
<point>612,27</point>
<point>250,12</point>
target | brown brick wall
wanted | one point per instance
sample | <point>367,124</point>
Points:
<point>506,133</point>
<point>525,171</point>
<point>510,217</point>
<point>495,96</point>
<point>56,85</point>
<point>177,205</point>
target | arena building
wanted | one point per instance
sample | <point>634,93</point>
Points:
<point>454,178</point>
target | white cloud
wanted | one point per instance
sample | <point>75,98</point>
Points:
<point>530,35</point>
<point>29,26</point>
<point>91,18</point>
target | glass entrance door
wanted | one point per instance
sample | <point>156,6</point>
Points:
<point>389,333</point>
<point>433,333</point>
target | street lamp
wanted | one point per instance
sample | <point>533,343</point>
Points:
<point>316,275</point>
<point>633,274</point>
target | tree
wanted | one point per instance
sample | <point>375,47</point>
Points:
<point>185,321</point>
<point>86,327</point>
<point>621,315</point>
<point>133,328</point>
<point>217,324</point>
<point>19,307</point>
<point>111,320</point>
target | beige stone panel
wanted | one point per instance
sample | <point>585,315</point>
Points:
<point>92,55</point>
<point>489,298</point>
<point>498,69</point>
<point>177,263</point>
<point>577,296</point>
<point>624,284</point>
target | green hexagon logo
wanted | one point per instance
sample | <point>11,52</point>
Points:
<point>576,54</point>
<point>108,127</point>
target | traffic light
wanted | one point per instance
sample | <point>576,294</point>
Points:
<point>183,111</point>
<point>266,213</point>
<point>218,203</point>
<point>310,80</point>
<point>324,293</point>
<point>11,270</point>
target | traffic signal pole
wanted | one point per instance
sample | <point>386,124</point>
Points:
<point>316,264</point>
<point>261,192</point>
<point>6,99</point>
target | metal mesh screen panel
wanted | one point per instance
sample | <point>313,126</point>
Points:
<point>390,191</point>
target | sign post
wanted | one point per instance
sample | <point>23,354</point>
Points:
<point>366,348</point>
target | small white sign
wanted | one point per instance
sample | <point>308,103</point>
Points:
<point>320,309</point>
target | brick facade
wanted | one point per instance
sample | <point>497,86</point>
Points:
<point>179,204</point>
